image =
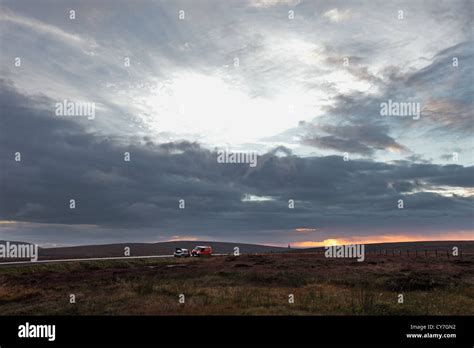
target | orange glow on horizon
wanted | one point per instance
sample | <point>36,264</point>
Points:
<point>7,222</point>
<point>397,238</point>
<point>305,230</point>
<point>181,238</point>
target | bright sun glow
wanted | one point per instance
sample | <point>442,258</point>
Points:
<point>220,110</point>
<point>198,104</point>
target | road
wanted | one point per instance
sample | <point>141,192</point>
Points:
<point>90,259</point>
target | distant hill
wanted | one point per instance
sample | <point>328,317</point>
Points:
<point>167,248</point>
<point>143,249</point>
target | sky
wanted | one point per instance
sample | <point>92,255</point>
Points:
<point>300,84</point>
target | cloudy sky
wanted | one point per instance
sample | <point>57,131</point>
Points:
<point>302,83</point>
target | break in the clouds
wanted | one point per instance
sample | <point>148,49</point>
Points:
<point>300,82</point>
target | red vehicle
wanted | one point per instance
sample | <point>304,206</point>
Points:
<point>202,251</point>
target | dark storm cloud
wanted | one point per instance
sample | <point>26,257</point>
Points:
<point>60,161</point>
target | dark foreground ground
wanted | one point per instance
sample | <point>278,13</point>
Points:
<point>244,285</point>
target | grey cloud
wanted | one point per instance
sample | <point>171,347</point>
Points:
<point>64,158</point>
<point>353,123</point>
<point>61,161</point>
<point>362,139</point>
